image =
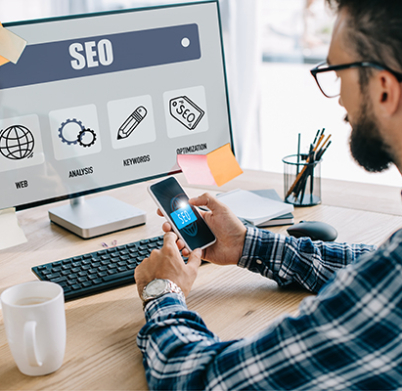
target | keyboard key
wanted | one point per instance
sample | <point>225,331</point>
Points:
<point>86,284</point>
<point>53,276</point>
<point>76,286</point>
<point>120,275</point>
<point>60,279</point>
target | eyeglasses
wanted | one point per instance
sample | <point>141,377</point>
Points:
<point>329,82</point>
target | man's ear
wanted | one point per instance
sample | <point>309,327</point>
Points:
<point>387,93</point>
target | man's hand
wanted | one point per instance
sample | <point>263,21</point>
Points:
<point>229,231</point>
<point>167,263</point>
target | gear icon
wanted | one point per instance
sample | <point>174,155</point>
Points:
<point>86,137</point>
<point>73,123</point>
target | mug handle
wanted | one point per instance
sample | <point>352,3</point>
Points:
<point>30,343</point>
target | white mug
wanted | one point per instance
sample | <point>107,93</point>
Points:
<point>35,323</point>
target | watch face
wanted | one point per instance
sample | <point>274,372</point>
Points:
<point>155,287</point>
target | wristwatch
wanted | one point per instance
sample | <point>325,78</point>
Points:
<point>157,288</point>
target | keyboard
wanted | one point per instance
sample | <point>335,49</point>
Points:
<point>98,271</point>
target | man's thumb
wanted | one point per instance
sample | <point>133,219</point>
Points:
<point>195,258</point>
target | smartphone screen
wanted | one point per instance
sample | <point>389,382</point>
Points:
<point>188,223</point>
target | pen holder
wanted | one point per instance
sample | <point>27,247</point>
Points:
<point>302,180</point>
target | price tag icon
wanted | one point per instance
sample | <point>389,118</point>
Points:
<point>186,112</point>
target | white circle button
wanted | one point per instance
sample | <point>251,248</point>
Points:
<point>185,42</point>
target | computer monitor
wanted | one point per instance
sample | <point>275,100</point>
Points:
<point>106,100</point>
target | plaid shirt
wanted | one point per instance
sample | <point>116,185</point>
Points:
<point>347,337</point>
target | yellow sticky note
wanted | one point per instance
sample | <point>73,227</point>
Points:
<point>11,46</point>
<point>215,168</point>
<point>11,233</point>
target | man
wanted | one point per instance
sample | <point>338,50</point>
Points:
<point>349,336</point>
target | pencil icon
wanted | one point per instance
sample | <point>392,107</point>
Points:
<point>131,122</point>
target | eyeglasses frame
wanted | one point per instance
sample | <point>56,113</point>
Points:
<point>365,64</point>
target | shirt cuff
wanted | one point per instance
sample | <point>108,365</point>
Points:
<point>164,305</point>
<point>257,251</point>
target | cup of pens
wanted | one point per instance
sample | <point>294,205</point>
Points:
<point>302,173</point>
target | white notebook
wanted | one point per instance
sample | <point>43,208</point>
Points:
<point>252,207</point>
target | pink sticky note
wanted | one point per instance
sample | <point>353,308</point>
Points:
<point>214,168</point>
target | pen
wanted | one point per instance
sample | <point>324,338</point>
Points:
<point>131,122</point>
<point>298,154</point>
<point>322,151</point>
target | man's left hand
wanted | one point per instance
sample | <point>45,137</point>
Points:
<point>167,263</point>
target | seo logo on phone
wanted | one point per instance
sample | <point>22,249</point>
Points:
<point>183,217</point>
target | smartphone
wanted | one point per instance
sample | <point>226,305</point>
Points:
<point>186,222</point>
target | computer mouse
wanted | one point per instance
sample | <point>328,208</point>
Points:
<point>316,230</point>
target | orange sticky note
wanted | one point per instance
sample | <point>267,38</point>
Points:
<point>215,168</point>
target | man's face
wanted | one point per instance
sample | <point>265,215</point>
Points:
<point>366,143</point>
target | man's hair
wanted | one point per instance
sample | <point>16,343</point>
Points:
<point>375,31</point>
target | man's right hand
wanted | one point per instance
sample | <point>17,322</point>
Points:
<point>229,231</point>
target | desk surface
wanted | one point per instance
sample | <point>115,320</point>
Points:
<point>101,348</point>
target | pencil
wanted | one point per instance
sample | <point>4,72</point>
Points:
<point>304,168</point>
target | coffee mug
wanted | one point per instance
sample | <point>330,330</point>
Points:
<point>35,323</point>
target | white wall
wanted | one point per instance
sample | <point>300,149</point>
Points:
<point>292,104</point>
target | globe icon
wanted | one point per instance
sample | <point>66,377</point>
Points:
<point>16,142</point>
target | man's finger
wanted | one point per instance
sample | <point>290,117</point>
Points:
<point>170,238</point>
<point>207,200</point>
<point>194,260</point>
<point>166,227</point>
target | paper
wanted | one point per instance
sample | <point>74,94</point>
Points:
<point>11,46</point>
<point>11,233</point>
<point>252,207</point>
<point>215,168</point>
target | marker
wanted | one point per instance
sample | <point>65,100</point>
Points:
<point>132,121</point>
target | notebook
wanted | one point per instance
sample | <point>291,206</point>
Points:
<point>253,207</point>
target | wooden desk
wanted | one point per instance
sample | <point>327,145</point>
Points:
<point>101,330</point>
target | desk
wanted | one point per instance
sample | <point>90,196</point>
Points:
<point>101,348</point>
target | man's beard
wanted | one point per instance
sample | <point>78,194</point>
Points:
<point>366,145</point>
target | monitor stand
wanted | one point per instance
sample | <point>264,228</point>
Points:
<point>90,217</point>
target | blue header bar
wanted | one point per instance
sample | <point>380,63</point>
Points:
<point>53,61</point>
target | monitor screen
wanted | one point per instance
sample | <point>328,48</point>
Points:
<point>109,99</point>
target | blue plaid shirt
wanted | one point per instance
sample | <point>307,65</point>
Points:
<point>347,337</point>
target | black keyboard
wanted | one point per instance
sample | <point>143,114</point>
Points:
<point>98,271</point>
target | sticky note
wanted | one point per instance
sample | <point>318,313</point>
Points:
<point>11,46</point>
<point>3,60</point>
<point>215,168</point>
<point>11,233</point>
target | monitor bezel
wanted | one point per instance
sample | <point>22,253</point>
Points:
<point>113,12</point>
